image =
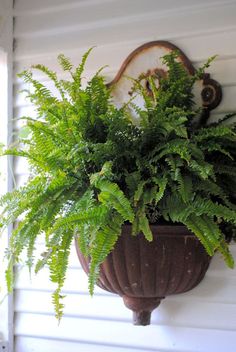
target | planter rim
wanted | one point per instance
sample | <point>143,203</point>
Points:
<point>166,230</point>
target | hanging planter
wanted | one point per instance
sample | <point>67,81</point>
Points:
<point>136,151</point>
<point>143,273</point>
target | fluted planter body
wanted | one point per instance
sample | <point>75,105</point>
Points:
<point>143,272</point>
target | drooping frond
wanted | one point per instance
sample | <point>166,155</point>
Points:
<point>101,246</point>
<point>58,264</point>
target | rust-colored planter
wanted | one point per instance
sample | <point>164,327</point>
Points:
<point>143,273</point>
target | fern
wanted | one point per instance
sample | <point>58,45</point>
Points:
<point>94,167</point>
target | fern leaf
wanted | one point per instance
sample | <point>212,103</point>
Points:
<point>58,305</point>
<point>58,265</point>
<point>145,228</point>
<point>94,214</point>
<point>194,225</point>
<point>202,206</point>
<point>222,246</point>
<point>138,192</point>
<point>65,62</point>
<point>149,195</point>
<point>79,70</point>
<point>103,243</point>
<point>213,132</point>
<point>112,196</point>
<point>9,276</point>
<point>51,75</point>
<point>161,182</point>
<point>185,188</point>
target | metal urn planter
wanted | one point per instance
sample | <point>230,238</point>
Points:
<point>143,273</point>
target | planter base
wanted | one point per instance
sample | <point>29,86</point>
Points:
<point>142,308</point>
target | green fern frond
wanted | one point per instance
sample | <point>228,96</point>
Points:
<point>162,183</point>
<point>185,187</point>
<point>196,226</point>
<point>208,207</point>
<point>211,237</point>
<point>144,227</point>
<point>41,94</point>
<point>58,265</point>
<point>214,132</point>
<point>41,263</point>
<point>222,246</point>
<point>58,305</point>
<point>176,146</point>
<point>209,187</point>
<point>9,275</point>
<point>200,71</point>
<point>139,191</point>
<point>149,195</point>
<point>139,89</point>
<point>103,243</point>
<point>212,147</point>
<point>227,255</point>
<point>52,76</point>
<point>112,196</point>
<point>95,215</point>
<point>202,168</point>
<point>79,70</point>
<point>64,62</point>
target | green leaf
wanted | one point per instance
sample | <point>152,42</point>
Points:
<point>102,245</point>
<point>145,228</point>
<point>112,196</point>
<point>161,182</point>
<point>24,132</point>
<point>139,191</point>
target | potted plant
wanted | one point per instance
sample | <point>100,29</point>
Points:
<point>111,182</point>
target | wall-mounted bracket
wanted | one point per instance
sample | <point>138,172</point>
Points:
<point>146,60</point>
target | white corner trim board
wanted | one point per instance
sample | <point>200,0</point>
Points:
<point>6,44</point>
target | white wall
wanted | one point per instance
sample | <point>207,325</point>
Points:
<point>6,40</point>
<point>202,320</point>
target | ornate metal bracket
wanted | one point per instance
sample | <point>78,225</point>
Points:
<point>146,60</point>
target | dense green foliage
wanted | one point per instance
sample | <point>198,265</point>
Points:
<point>93,169</point>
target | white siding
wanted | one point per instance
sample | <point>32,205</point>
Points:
<point>202,320</point>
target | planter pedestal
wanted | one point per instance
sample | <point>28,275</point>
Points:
<point>143,272</point>
<point>142,308</point>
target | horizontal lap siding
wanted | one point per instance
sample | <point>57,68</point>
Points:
<point>123,334</point>
<point>202,320</point>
